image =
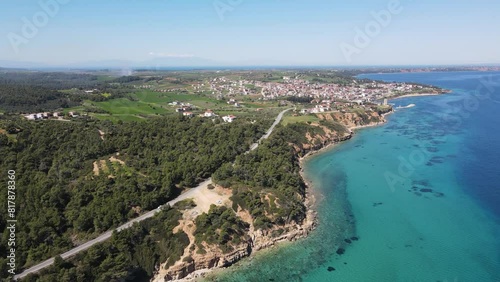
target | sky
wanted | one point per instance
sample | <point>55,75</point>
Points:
<point>252,32</point>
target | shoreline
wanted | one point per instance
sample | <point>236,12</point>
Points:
<point>332,144</point>
<point>301,231</point>
<point>417,95</point>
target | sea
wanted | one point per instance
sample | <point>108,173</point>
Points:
<point>416,199</point>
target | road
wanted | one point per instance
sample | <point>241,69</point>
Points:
<point>105,236</point>
<point>270,130</point>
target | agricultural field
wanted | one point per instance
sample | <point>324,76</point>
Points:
<point>291,119</point>
<point>146,103</point>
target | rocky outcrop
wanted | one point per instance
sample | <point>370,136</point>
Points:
<point>211,260</point>
<point>214,258</point>
<point>355,119</point>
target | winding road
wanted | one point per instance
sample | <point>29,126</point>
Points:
<point>105,236</point>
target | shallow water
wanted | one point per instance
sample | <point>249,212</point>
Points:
<point>421,193</point>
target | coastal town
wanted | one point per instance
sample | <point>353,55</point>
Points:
<point>238,94</point>
<point>358,91</point>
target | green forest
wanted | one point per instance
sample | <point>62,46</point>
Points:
<point>134,254</point>
<point>27,98</point>
<point>78,179</point>
<point>25,92</point>
<point>273,171</point>
<point>131,255</point>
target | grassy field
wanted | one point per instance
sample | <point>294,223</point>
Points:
<point>146,103</point>
<point>120,117</point>
<point>299,119</point>
<point>162,99</point>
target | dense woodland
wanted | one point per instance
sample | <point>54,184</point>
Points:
<point>221,227</point>
<point>50,80</point>
<point>27,98</point>
<point>25,92</point>
<point>62,201</point>
<point>134,254</point>
<point>273,171</point>
<point>130,255</point>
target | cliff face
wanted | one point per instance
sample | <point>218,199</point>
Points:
<point>333,134</point>
<point>354,119</point>
<point>214,258</point>
<point>211,260</point>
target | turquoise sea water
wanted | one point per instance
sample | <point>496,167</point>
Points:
<point>417,199</point>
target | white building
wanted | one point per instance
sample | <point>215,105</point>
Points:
<point>209,113</point>
<point>229,119</point>
<point>31,117</point>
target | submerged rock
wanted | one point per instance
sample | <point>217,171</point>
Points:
<point>354,238</point>
<point>331,268</point>
<point>340,251</point>
<point>438,194</point>
<point>348,241</point>
<point>424,183</point>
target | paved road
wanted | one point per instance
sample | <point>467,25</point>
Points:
<point>268,133</point>
<point>105,236</point>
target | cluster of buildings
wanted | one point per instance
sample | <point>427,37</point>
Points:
<point>222,86</point>
<point>186,110</point>
<point>211,114</point>
<point>49,115</point>
<point>355,91</point>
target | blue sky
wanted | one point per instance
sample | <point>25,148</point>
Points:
<point>253,32</point>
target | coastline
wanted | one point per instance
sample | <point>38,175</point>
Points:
<point>331,145</point>
<point>418,95</point>
<point>296,231</point>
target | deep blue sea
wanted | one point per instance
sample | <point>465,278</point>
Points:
<point>417,199</point>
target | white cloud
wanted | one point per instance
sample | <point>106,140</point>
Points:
<point>170,55</point>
